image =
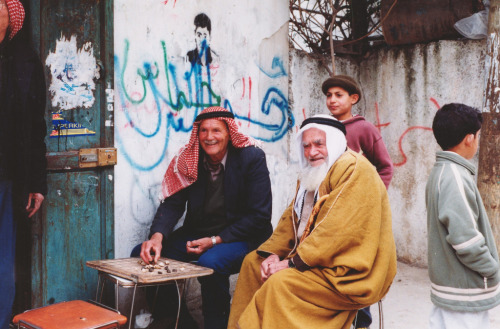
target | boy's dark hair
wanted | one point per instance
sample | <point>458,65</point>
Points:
<point>453,122</point>
<point>202,20</point>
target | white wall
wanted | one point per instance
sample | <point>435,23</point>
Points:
<point>402,89</point>
<point>249,73</point>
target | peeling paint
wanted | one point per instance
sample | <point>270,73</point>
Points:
<point>72,73</point>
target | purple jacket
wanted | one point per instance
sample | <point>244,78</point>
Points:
<point>363,136</point>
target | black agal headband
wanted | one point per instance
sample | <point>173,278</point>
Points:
<point>324,121</point>
<point>216,114</point>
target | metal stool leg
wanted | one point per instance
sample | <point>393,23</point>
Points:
<point>117,297</point>
<point>380,315</point>
<point>132,308</point>
<point>99,279</point>
<point>180,294</point>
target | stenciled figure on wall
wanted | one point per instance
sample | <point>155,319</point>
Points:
<point>202,55</point>
<point>202,64</point>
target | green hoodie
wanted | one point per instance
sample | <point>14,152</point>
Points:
<point>463,258</point>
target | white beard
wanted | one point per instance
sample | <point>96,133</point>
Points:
<point>311,177</point>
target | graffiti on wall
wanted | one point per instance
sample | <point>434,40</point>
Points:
<point>72,73</point>
<point>170,95</point>
<point>402,153</point>
<point>160,91</point>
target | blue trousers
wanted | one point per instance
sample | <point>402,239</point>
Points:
<point>7,254</point>
<point>363,318</point>
<point>225,259</point>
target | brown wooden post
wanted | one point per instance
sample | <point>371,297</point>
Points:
<point>489,152</point>
<point>359,24</point>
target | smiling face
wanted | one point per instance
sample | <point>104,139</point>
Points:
<point>214,139</point>
<point>4,20</point>
<point>314,144</point>
<point>339,102</point>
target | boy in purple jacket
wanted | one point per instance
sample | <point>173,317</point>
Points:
<point>342,92</point>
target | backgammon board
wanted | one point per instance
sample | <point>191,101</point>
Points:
<point>132,269</point>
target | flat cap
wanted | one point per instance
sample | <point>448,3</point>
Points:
<point>343,81</point>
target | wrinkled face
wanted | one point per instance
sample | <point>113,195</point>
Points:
<point>339,102</point>
<point>201,34</point>
<point>314,144</point>
<point>4,20</point>
<point>214,139</point>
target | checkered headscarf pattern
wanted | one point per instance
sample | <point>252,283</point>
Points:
<point>16,16</point>
<point>183,169</point>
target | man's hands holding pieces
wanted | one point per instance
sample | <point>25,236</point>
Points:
<point>151,249</point>
<point>199,246</point>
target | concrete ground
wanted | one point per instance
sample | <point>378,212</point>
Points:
<point>406,306</point>
<point>408,303</point>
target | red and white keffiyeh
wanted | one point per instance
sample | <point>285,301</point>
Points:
<point>183,169</point>
<point>16,16</point>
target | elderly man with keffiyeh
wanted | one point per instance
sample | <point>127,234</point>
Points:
<point>332,252</point>
<point>221,181</point>
<point>23,180</point>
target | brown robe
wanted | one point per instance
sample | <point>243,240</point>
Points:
<point>348,245</point>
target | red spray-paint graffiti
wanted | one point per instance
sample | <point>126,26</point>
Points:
<point>400,142</point>
<point>165,2</point>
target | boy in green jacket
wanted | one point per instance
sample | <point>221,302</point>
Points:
<point>463,259</point>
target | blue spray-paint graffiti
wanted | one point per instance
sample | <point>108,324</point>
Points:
<point>277,67</point>
<point>168,103</point>
<point>274,99</point>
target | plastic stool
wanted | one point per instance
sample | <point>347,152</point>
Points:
<point>75,314</point>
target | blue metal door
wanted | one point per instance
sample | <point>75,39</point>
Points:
<point>75,44</point>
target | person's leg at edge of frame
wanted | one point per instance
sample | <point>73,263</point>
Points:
<point>225,259</point>
<point>363,318</point>
<point>444,319</point>
<point>7,254</point>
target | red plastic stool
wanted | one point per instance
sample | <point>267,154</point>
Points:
<point>76,314</point>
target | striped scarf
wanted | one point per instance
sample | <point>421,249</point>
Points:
<point>183,169</point>
<point>16,16</point>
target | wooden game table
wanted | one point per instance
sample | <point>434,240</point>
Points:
<point>128,272</point>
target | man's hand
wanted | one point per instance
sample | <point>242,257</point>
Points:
<point>34,202</point>
<point>199,246</point>
<point>150,247</point>
<point>271,265</point>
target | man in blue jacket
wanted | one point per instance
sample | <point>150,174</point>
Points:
<point>225,190</point>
